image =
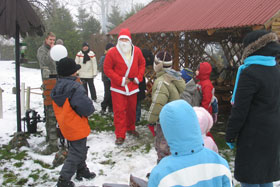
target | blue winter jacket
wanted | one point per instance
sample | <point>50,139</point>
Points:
<point>190,164</point>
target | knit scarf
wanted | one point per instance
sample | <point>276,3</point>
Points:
<point>257,60</point>
<point>86,57</point>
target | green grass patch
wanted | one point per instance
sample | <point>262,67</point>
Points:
<point>18,164</point>
<point>21,182</point>
<point>6,153</point>
<point>9,178</point>
<point>43,164</point>
<point>101,172</point>
<point>108,162</point>
<point>34,176</point>
<point>101,123</point>
<point>45,177</point>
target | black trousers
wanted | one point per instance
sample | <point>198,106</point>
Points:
<point>89,82</point>
<point>107,101</point>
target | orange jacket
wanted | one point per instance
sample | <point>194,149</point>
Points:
<point>73,127</point>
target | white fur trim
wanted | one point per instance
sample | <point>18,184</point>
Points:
<point>123,92</point>
<point>165,63</point>
<point>123,81</point>
<point>124,36</point>
<point>136,80</point>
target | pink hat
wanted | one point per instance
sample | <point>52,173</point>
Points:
<point>204,118</point>
<point>125,33</point>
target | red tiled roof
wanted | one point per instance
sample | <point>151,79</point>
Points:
<point>195,15</point>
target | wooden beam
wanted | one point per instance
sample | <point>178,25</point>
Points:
<point>176,44</point>
<point>257,27</point>
<point>268,23</point>
<point>210,32</point>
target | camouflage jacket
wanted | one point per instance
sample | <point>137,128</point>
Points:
<point>47,65</point>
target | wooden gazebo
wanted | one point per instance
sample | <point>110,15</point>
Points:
<point>187,27</point>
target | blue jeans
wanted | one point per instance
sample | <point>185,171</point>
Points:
<point>257,185</point>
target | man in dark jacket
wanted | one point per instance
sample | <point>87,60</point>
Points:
<point>72,108</point>
<point>255,115</point>
<point>107,100</point>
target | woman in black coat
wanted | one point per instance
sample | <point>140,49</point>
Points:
<point>254,123</point>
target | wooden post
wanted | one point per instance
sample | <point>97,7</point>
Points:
<point>1,104</point>
<point>28,98</point>
<point>176,44</point>
<point>186,50</point>
<point>22,98</point>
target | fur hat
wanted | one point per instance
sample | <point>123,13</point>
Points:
<point>204,118</point>
<point>85,44</point>
<point>163,59</point>
<point>260,42</point>
<point>108,46</point>
<point>67,66</point>
<point>125,33</point>
<point>187,74</point>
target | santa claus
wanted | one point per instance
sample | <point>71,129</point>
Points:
<point>125,67</point>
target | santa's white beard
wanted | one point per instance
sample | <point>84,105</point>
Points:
<point>125,46</point>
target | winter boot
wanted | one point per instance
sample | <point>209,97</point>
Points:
<point>64,183</point>
<point>84,173</point>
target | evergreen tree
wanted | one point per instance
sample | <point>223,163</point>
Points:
<point>62,25</point>
<point>91,26</point>
<point>137,7</point>
<point>82,18</point>
<point>87,25</point>
<point>58,20</point>
<point>114,17</point>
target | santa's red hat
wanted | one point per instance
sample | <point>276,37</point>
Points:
<point>125,33</point>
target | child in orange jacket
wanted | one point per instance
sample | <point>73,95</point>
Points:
<point>72,107</point>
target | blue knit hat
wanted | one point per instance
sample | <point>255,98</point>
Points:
<point>187,74</point>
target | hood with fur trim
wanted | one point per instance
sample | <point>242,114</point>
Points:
<point>260,42</point>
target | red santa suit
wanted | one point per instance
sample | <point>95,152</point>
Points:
<point>124,96</point>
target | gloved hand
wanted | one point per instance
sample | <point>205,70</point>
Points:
<point>231,145</point>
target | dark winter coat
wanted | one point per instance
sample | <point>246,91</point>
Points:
<point>255,122</point>
<point>142,90</point>
<point>101,63</point>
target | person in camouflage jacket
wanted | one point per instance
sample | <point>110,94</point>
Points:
<point>167,87</point>
<point>48,71</point>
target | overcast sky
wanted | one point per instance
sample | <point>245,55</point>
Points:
<point>125,5</point>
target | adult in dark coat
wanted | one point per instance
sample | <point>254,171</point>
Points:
<point>254,123</point>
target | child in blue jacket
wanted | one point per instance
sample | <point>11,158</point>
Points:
<point>190,163</point>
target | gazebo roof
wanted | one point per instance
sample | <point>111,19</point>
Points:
<point>197,15</point>
<point>20,12</point>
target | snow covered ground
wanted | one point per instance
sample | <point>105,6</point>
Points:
<point>111,163</point>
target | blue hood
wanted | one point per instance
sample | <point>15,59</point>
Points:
<point>181,129</point>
